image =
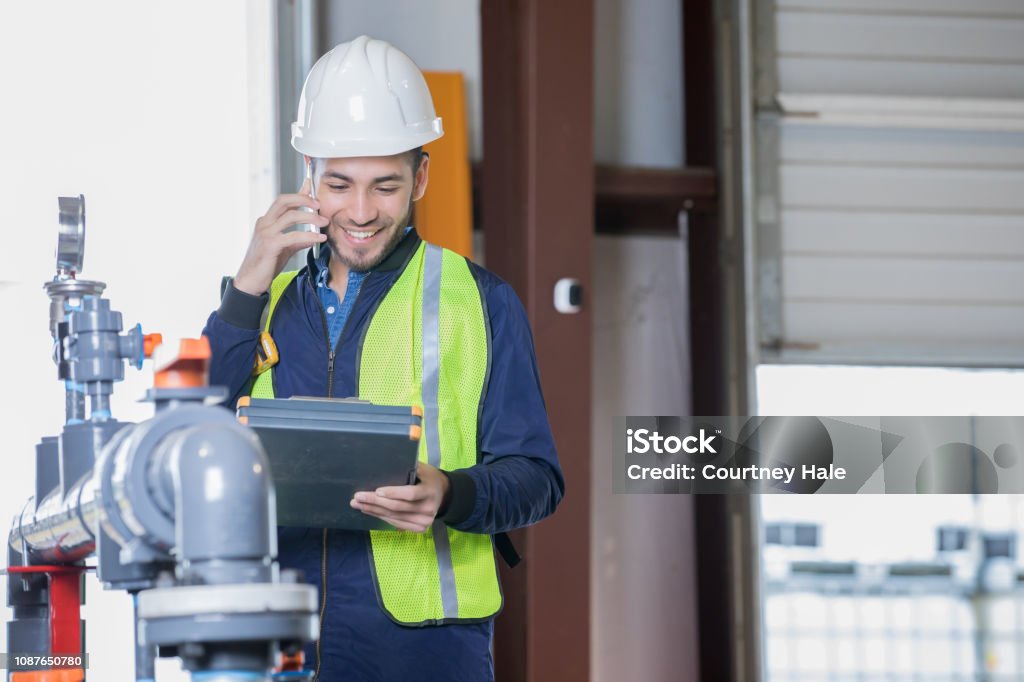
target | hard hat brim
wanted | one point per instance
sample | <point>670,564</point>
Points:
<point>353,147</point>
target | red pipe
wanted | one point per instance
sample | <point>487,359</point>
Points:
<point>65,603</point>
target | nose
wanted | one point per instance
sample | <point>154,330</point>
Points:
<point>362,212</point>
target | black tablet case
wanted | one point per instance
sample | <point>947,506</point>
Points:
<point>323,451</point>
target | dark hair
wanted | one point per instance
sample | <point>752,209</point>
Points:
<point>416,158</point>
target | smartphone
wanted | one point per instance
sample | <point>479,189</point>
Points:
<point>313,172</point>
<point>313,176</point>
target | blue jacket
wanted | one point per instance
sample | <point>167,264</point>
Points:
<point>517,481</point>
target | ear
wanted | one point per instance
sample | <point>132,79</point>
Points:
<point>420,180</point>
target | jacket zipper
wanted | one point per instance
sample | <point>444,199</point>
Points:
<point>330,374</point>
<point>330,394</point>
<point>323,545</point>
<point>332,351</point>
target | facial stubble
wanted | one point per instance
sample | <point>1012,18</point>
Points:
<point>393,239</point>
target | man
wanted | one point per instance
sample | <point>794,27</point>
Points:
<point>381,315</point>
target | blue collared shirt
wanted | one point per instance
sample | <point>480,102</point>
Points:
<point>336,311</point>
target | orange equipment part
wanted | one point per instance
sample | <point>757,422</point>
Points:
<point>188,369</point>
<point>444,215</point>
<point>150,342</point>
<point>55,675</point>
<point>292,663</point>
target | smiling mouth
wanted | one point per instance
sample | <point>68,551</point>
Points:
<point>362,235</point>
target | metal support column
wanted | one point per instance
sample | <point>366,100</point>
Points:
<point>715,75</point>
<point>538,218</point>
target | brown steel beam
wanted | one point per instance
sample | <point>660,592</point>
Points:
<point>633,200</point>
<point>638,184</point>
<point>538,217</point>
<point>707,339</point>
<point>648,200</point>
<point>702,149</point>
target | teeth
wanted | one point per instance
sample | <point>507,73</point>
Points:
<point>361,235</point>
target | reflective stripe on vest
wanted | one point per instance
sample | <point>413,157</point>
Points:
<point>427,344</point>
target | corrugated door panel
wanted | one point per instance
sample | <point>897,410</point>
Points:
<point>874,330</point>
<point>863,48</point>
<point>901,237</point>
<point>870,230</point>
<point>881,146</point>
<point>902,280</point>
<point>901,240</point>
<point>888,235</point>
<point>866,188</point>
<point>900,78</point>
<point>1002,8</point>
<point>884,37</point>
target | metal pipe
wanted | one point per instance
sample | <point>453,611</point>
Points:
<point>74,403</point>
<point>195,481</point>
<point>145,654</point>
<point>59,529</point>
<point>158,485</point>
<point>99,409</point>
<point>136,466</point>
<point>63,527</point>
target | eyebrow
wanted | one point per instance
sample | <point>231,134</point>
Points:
<point>394,177</point>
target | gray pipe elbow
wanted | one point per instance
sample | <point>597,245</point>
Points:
<point>226,509</point>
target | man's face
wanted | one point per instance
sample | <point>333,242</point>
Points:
<point>369,202</point>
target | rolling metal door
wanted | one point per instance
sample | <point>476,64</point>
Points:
<point>889,174</point>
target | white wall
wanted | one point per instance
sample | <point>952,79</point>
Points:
<point>643,620</point>
<point>156,113</point>
<point>638,83</point>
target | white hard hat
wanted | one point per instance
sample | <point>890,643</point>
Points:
<point>364,98</point>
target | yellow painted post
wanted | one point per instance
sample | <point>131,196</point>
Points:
<point>444,215</point>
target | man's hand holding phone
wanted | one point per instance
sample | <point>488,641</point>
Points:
<point>274,241</point>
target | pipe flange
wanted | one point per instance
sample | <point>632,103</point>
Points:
<point>194,600</point>
<point>249,612</point>
<point>64,289</point>
<point>242,627</point>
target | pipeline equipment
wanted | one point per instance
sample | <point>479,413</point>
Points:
<point>178,510</point>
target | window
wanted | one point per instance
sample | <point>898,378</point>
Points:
<point>897,587</point>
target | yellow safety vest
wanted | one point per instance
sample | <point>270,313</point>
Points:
<point>427,344</point>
